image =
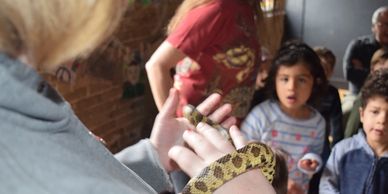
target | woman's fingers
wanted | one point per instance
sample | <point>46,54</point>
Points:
<point>229,122</point>
<point>215,138</point>
<point>221,113</point>
<point>187,160</point>
<point>169,108</point>
<point>217,115</point>
<point>238,138</point>
<point>206,145</point>
<point>201,146</point>
<point>209,104</point>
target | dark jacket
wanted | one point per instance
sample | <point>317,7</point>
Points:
<point>330,108</point>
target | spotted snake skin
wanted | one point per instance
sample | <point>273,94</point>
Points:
<point>252,156</point>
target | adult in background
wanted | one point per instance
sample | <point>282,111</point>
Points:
<point>356,64</point>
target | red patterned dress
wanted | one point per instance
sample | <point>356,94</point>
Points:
<point>221,43</point>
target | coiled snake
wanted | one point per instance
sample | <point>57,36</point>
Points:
<point>251,156</point>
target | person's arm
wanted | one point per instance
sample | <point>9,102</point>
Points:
<point>158,70</point>
<point>329,182</point>
<point>143,159</point>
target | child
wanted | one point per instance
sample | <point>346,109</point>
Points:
<point>331,104</point>
<point>287,120</point>
<point>359,164</point>
<point>379,61</point>
<point>330,108</point>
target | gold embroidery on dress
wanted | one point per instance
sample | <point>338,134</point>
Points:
<point>238,57</point>
<point>240,98</point>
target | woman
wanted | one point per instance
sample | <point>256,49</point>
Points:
<point>44,148</point>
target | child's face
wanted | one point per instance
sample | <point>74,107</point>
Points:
<point>382,64</point>
<point>294,85</point>
<point>374,118</point>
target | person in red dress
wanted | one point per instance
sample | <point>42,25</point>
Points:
<point>213,46</point>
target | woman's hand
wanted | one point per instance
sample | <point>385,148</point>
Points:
<point>168,130</point>
<point>207,145</point>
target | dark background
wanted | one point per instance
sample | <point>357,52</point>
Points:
<point>330,23</point>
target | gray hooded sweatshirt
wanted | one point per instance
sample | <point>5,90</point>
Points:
<point>45,149</point>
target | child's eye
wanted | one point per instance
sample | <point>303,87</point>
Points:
<point>283,79</point>
<point>302,80</point>
<point>375,112</point>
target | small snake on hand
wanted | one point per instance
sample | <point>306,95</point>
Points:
<point>252,156</point>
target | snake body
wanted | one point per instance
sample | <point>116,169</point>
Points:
<point>251,156</point>
<point>195,117</point>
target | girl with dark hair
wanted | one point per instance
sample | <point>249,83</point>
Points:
<point>287,119</point>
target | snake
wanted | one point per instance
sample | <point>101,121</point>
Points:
<point>255,155</point>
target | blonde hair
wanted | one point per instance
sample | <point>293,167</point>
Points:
<point>50,32</point>
<point>188,5</point>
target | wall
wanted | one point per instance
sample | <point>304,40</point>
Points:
<point>110,91</point>
<point>330,23</point>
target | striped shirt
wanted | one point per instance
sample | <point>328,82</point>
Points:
<point>267,123</point>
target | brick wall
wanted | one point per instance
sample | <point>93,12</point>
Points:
<point>100,106</point>
<point>96,95</point>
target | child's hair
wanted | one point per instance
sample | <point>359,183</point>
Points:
<point>280,178</point>
<point>375,85</point>
<point>326,54</point>
<point>290,54</point>
<point>380,55</point>
<point>188,5</point>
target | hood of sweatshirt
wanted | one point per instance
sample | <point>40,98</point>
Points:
<point>44,148</point>
<point>27,98</point>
